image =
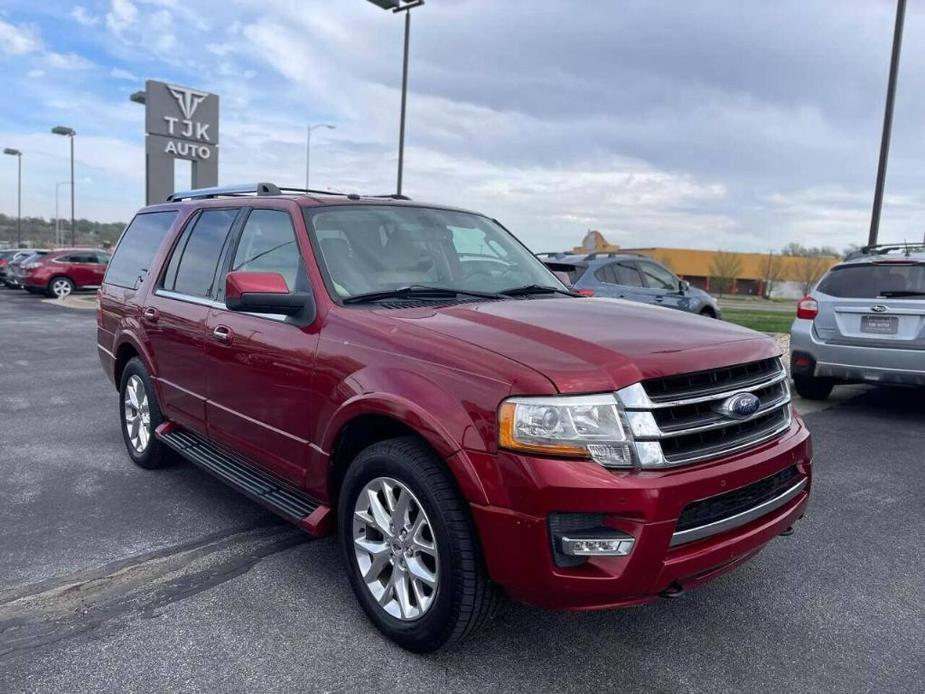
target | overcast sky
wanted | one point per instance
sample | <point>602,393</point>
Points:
<point>737,124</point>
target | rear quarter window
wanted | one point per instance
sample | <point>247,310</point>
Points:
<point>137,247</point>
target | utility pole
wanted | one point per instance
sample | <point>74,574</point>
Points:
<point>18,154</point>
<point>887,123</point>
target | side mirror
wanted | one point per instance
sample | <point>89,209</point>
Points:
<point>683,286</point>
<point>265,292</point>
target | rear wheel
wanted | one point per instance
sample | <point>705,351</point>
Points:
<point>813,388</point>
<point>141,415</point>
<point>410,547</point>
<point>60,287</point>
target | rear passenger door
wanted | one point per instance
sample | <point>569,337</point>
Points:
<point>662,287</point>
<point>260,366</point>
<point>621,280</point>
<point>175,315</point>
<point>79,268</point>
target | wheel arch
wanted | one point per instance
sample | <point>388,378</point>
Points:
<point>366,420</point>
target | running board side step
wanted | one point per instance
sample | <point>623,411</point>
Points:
<point>290,503</point>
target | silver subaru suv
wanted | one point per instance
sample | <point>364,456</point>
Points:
<point>863,323</point>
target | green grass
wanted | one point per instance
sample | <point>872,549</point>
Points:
<point>763,321</point>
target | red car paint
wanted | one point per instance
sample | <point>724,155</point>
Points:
<point>80,265</point>
<point>280,395</point>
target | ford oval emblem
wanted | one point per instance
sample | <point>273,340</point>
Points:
<point>878,308</point>
<point>740,406</point>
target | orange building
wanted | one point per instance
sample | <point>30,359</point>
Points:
<point>728,272</point>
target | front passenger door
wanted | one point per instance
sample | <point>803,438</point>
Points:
<point>661,284</point>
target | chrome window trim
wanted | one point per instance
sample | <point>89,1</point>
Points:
<point>211,303</point>
<point>701,531</point>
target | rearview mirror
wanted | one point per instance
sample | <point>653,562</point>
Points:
<point>265,292</point>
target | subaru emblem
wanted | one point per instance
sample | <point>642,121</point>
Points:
<point>739,406</point>
<point>878,308</point>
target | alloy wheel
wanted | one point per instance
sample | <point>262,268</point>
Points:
<point>137,414</point>
<point>395,548</point>
<point>61,287</point>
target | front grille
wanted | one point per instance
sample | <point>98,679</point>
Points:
<point>723,506</point>
<point>683,413</point>
<point>700,383</point>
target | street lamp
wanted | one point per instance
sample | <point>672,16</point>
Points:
<point>69,132</point>
<point>18,154</point>
<point>401,6</point>
<point>57,217</point>
<point>308,147</point>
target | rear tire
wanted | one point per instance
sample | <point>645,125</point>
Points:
<point>813,388</point>
<point>60,287</point>
<point>140,415</point>
<point>455,597</point>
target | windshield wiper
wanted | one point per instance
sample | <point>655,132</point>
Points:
<point>417,291</point>
<point>900,292</point>
<point>535,289</point>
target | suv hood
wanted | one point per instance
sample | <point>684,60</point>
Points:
<point>595,344</point>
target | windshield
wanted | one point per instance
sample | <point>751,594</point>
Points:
<point>379,248</point>
<point>872,280</point>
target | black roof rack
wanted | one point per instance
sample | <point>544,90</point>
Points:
<point>884,248</point>
<point>264,189</point>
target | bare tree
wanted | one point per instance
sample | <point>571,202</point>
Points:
<point>809,269</point>
<point>773,272</point>
<point>724,269</point>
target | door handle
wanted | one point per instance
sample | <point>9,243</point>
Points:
<point>151,314</point>
<point>222,334</point>
<point>659,299</point>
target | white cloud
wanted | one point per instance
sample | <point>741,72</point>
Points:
<point>121,16</point>
<point>120,74</point>
<point>18,40</point>
<point>82,16</point>
<point>67,61</point>
<point>35,74</point>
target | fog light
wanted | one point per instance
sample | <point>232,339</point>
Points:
<point>598,546</point>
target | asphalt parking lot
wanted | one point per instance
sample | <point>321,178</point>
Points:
<point>113,578</point>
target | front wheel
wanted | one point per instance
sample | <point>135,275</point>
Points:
<point>813,388</point>
<point>410,547</point>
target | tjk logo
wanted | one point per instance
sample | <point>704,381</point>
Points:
<point>188,100</point>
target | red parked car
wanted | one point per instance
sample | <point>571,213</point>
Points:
<point>413,379</point>
<point>61,272</point>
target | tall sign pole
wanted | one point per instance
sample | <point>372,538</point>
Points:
<point>887,123</point>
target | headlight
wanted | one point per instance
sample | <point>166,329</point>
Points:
<point>584,426</point>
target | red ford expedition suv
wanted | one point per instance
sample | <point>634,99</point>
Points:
<point>410,377</point>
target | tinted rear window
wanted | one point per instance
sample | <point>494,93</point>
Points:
<point>136,249</point>
<point>870,281</point>
<point>192,267</point>
<point>574,272</point>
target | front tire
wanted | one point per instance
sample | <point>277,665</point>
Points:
<point>410,547</point>
<point>813,388</point>
<point>140,416</point>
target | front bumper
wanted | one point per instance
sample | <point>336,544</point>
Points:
<point>857,363</point>
<point>645,504</point>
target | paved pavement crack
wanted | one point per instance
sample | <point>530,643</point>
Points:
<point>66,606</point>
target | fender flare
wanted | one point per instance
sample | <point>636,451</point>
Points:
<point>421,421</point>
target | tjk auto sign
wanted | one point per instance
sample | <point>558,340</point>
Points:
<point>181,123</point>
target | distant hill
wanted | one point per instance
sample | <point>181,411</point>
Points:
<point>40,232</point>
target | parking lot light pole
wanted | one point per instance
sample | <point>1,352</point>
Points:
<point>57,218</point>
<point>308,147</point>
<point>401,6</point>
<point>887,123</point>
<point>18,154</point>
<point>69,132</point>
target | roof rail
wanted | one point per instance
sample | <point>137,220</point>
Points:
<point>884,248</point>
<point>225,191</point>
<point>552,254</point>
<point>391,196</point>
